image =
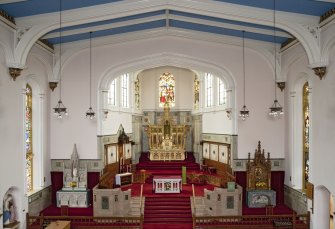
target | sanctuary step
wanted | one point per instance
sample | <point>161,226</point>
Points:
<point>167,212</point>
<point>189,162</point>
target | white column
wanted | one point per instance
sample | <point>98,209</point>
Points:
<point>321,208</point>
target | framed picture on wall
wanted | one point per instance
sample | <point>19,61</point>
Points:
<point>111,153</point>
<point>214,149</point>
<point>127,150</point>
<point>205,151</point>
<point>223,154</point>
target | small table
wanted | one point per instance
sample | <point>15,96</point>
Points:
<point>167,184</point>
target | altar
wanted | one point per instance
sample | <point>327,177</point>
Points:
<point>167,184</point>
<point>166,139</point>
<point>74,192</point>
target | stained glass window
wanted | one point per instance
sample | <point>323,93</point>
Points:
<point>305,108</point>
<point>137,93</point>
<point>111,94</point>
<point>196,92</point>
<point>222,93</point>
<point>125,90</point>
<point>28,138</point>
<point>209,89</point>
<point>166,89</point>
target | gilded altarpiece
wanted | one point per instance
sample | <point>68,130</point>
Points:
<point>166,139</point>
<point>259,193</point>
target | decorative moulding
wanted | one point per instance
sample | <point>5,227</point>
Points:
<point>53,85</point>
<point>15,72</point>
<point>281,85</point>
<point>320,71</point>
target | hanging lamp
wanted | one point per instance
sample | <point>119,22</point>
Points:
<point>244,112</point>
<point>90,113</point>
<point>60,109</point>
<point>276,109</point>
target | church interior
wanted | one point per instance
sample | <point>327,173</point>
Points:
<point>167,114</point>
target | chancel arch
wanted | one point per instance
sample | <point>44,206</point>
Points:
<point>162,60</point>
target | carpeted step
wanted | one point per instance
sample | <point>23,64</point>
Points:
<point>168,226</point>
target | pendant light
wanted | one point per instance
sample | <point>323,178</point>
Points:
<point>60,109</point>
<point>276,109</point>
<point>244,112</point>
<point>90,113</point>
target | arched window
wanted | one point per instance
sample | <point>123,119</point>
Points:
<point>209,89</point>
<point>112,94</point>
<point>305,111</point>
<point>28,138</point>
<point>222,93</point>
<point>166,90</point>
<point>196,92</point>
<point>125,90</point>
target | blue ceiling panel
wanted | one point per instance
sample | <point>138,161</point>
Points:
<point>223,31</point>
<point>137,16</point>
<point>198,16</point>
<point>34,7</point>
<point>115,31</point>
<point>310,7</point>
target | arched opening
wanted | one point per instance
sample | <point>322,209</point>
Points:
<point>33,136</point>
<point>321,207</point>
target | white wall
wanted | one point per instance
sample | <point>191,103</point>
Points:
<point>12,164</point>
<point>134,56</point>
<point>322,125</point>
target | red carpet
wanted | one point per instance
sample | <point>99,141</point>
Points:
<point>167,212</point>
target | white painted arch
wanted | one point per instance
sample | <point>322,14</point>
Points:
<point>159,60</point>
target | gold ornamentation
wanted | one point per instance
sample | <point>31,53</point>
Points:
<point>53,85</point>
<point>320,71</point>
<point>281,85</point>
<point>15,72</point>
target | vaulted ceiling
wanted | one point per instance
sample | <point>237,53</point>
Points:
<point>114,17</point>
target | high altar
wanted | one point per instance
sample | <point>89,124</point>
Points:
<point>167,140</point>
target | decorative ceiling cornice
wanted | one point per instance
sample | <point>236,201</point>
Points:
<point>7,16</point>
<point>327,15</point>
<point>47,43</point>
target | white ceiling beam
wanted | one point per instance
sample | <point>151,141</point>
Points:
<point>229,26</point>
<point>105,27</point>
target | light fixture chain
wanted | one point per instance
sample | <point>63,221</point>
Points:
<point>275,47</point>
<point>243,71</point>
<point>60,50</point>
<point>90,68</point>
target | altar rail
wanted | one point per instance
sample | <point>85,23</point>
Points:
<point>293,221</point>
<point>86,222</point>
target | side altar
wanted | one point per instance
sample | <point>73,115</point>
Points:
<point>74,192</point>
<point>259,193</point>
<point>167,140</point>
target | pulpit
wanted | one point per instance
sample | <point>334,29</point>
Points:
<point>259,193</point>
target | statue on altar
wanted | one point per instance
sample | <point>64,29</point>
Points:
<point>166,139</point>
<point>74,192</point>
<point>74,176</point>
